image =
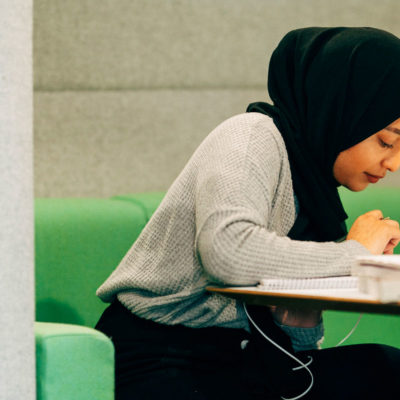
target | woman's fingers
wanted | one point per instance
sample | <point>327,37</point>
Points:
<point>390,246</point>
<point>374,213</point>
<point>391,222</point>
<point>377,234</point>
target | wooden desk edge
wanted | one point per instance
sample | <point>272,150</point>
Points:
<point>257,297</point>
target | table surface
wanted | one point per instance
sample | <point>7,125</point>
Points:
<point>341,300</point>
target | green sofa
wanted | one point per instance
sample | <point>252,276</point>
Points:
<point>80,241</point>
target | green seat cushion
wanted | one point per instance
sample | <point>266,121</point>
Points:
<point>78,243</point>
<point>73,362</point>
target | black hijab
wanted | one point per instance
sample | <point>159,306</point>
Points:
<point>331,88</point>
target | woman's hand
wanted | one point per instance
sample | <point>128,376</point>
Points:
<point>378,235</point>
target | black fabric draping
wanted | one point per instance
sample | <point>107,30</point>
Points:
<point>331,88</point>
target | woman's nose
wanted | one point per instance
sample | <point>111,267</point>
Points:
<point>392,163</point>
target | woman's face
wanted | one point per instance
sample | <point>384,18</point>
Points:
<point>369,160</point>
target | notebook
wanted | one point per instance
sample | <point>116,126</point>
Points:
<point>377,277</point>
<point>384,265</point>
<point>337,282</point>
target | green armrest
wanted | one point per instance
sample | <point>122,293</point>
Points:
<point>73,363</point>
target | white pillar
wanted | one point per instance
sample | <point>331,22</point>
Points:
<point>17,356</point>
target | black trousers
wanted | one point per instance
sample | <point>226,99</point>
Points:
<point>156,361</point>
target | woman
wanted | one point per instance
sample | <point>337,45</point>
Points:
<point>259,199</point>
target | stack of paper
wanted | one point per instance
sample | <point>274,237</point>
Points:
<point>379,276</point>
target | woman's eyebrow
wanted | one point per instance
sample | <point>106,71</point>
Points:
<point>391,129</point>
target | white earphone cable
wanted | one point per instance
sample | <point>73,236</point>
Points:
<point>302,365</point>
<point>351,332</point>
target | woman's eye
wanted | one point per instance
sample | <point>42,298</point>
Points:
<point>386,145</point>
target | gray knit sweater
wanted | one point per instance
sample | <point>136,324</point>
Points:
<point>224,220</point>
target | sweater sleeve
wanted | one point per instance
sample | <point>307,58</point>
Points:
<point>243,216</point>
<point>304,338</point>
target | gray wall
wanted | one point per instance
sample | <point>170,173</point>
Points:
<point>125,90</point>
<point>17,362</point>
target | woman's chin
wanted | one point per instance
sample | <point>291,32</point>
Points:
<point>356,187</point>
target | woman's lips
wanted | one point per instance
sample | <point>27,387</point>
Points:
<point>373,178</point>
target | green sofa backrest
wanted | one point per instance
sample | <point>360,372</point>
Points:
<point>372,328</point>
<point>79,242</point>
<point>385,199</point>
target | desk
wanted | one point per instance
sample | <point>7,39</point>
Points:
<point>343,300</point>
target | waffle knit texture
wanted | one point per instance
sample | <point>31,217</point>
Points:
<point>224,220</point>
